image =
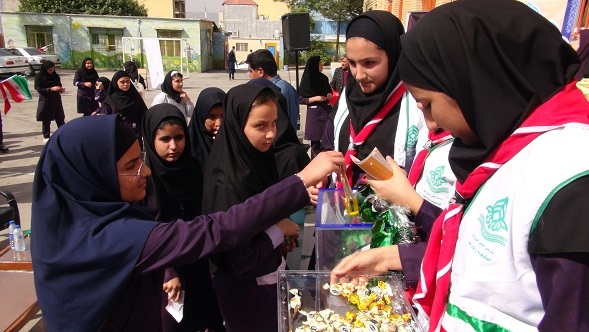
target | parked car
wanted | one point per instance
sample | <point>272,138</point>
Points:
<point>35,57</point>
<point>12,64</point>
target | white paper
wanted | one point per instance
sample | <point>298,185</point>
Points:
<point>176,309</point>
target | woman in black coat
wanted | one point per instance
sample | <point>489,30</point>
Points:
<point>48,85</point>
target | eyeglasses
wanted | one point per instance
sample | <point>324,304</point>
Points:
<point>138,174</point>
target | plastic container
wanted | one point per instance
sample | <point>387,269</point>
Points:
<point>11,226</point>
<point>19,239</point>
<point>337,234</point>
<point>307,302</point>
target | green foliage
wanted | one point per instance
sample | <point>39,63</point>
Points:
<point>96,7</point>
<point>317,48</point>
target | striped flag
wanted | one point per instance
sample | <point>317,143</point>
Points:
<point>18,89</point>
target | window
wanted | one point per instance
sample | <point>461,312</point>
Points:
<point>179,9</point>
<point>95,39</point>
<point>234,34</point>
<point>241,47</point>
<point>105,40</point>
<point>40,36</point>
<point>170,47</point>
<point>111,43</point>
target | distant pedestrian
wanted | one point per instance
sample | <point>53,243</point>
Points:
<point>231,62</point>
<point>85,79</point>
<point>315,92</point>
<point>50,108</point>
<point>2,147</point>
<point>340,75</point>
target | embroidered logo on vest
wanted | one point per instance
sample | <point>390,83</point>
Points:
<point>436,181</point>
<point>412,133</point>
<point>494,222</point>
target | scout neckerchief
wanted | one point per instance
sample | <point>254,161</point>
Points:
<point>434,138</point>
<point>567,107</point>
<point>357,140</point>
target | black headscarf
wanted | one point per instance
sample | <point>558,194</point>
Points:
<point>88,75</point>
<point>104,92</point>
<point>168,89</point>
<point>291,155</point>
<point>88,240</point>
<point>131,69</point>
<point>236,170</point>
<point>124,102</point>
<point>314,83</point>
<point>201,138</point>
<point>46,80</point>
<point>498,67</point>
<point>176,187</point>
<point>383,29</point>
<point>583,51</point>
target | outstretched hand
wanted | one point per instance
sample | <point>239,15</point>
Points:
<point>371,262</point>
<point>321,166</point>
<point>397,190</point>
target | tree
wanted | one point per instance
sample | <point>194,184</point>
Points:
<point>96,7</point>
<point>337,10</point>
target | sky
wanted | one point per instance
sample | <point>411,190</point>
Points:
<point>196,9</point>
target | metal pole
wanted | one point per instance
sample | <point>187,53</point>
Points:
<point>297,82</point>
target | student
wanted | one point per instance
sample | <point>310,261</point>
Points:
<point>175,186</point>
<point>261,64</point>
<point>99,258</point>
<point>131,69</point>
<point>204,126</point>
<point>102,86</point>
<point>374,106</point>
<point>244,166</point>
<point>85,79</point>
<point>520,262</point>
<point>172,93</point>
<point>315,92</point>
<point>231,62</point>
<point>124,100</point>
<point>50,107</point>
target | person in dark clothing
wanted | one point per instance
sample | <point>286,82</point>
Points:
<point>85,79</point>
<point>231,63</point>
<point>205,124</point>
<point>48,85</point>
<point>102,86</point>
<point>244,165</point>
<point>175,186</point>
<point>124,100</point>
<point>315,92</point>
<point>131,69</point>
<point>100,256</point>
<point>340,75</point>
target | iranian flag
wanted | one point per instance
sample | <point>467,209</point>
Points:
<point>16,86</point>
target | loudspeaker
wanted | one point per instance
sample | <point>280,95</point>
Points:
<point>296,31</point>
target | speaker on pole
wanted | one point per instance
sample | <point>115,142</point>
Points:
<point>296,31</point>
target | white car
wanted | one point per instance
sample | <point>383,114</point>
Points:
<point>35,57</point>
<point>12,64</point>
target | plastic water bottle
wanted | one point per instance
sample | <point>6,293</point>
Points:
<point>19,239</point>
<point>11,226</point>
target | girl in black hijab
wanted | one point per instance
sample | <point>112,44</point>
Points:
<point>499,76</point>
<point>48,85</point>
<point>85,79</point>
<point>204,126</point>
<point>124,100</point>
<point>102,86</point>
<point>315,92</point>
<point>245,165</point>
<point>175,186</point>
<point>172,93</point>
<point>375,95</point>
<point>131,69</point>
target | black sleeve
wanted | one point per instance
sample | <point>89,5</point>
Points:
<point>564,225</point>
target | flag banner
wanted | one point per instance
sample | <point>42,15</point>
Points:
<point>7,105</point>
<point>17,87</point>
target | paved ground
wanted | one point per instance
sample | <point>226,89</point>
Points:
<point>22,135</point>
